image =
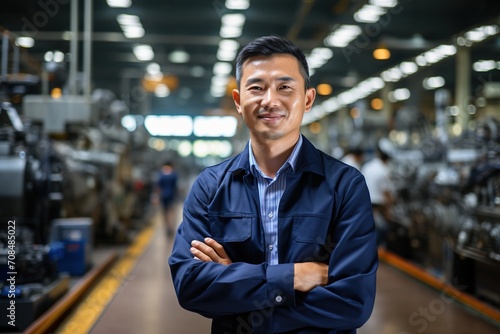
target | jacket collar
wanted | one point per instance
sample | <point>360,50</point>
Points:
<point>308,160</point>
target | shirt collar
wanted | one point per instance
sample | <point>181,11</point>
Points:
<point>291,161</point>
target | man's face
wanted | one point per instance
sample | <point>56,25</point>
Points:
<point>272,98</point>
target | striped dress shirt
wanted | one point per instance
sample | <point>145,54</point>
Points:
<point>270,192</point>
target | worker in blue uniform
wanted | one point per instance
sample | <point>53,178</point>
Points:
<point>279,238</point>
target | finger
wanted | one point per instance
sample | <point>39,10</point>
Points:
<point>200,255</point>
<point>205,250</point>
<point>216,247</point>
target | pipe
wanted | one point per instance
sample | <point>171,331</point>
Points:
<point>73,48</point>
<point>5,54</point>
<point>87,48</point>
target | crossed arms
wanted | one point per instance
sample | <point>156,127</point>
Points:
<point>307,275</point>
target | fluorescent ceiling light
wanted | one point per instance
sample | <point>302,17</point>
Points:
<point>237,19</point>
<point>131,25</point>
<point>484,65</point>
<point>433,82</point>
<point>400,94</point>
<point>222,68</point>
<point>162,90</point>
<point>162,125</point>
<point>237,4</point>
<point>215,126</point>
<point>119,3</point>
<point>369,14</point>
<point>408,67</point>
<point>220,81</point>
<point>128,20</point>
<point>229,44</point>
<point>144,52</point>
<point>153,69</point>
<point>392,74</point>
<point>384,3</point>
<point>25,42</point>
<point>343,36</point>
<point>230,31</point>
<point>133,32</point>
<point>318,57</point>
<point>179,57</point>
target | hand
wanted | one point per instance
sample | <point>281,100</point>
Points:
<point>209,251</point>
<point>309,275</point>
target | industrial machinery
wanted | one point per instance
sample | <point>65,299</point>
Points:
<point>447,210</point>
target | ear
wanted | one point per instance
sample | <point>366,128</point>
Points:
<point>310,96</point>
<point>236,99</point>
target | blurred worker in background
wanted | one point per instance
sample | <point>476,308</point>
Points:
<point>354,157</point>
<point>279,238</point>
<point>376,172</point>
<point>167,192</point>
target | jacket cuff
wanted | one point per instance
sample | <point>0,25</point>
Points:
<point>280,284</point>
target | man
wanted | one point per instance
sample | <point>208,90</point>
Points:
<point>167,191</point>
<point>376,172</point>
<point>354,158</point>
<point>280,238</point>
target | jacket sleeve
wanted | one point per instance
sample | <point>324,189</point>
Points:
<point>213,289</point>
<point>347,301</point>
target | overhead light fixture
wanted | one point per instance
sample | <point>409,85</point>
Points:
<point>131,25</point>
<point>237,4</point>
<point>179,57</point>
<point>377,103</point>
<point>324,89</point>
<point>25,42</point>
<point>384,3</point>
<point>197,71</point>
<point>222,68</point>
<point>162,90</point>
<point>479,34</point>
<point>369,14</point>
<point>232,25</point>
<point>392,75</point>
<point>318,57</point>
<point>153,69</point>
<point>381,53</point>
<point>400,94</point>
<point>236,19</point>
<point>342,36</point>
<point>484,65</point>
<point>165,125</point>
<point>119,3</point>
<point>433,82</point>
<point>408,67</point>
<point>227,50</point>
<point>143,52</point>
<point>215,126</point>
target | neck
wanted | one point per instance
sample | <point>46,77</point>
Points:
<point>271,155</point>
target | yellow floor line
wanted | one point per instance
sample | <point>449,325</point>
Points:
<point>86,314</point>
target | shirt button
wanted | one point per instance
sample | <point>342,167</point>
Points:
<point>278,299</point>
<point>270,215</point>
<point>270,247</point>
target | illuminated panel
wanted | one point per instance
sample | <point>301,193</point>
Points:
<point>215,126</point>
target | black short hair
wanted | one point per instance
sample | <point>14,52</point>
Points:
<point>268,46</point>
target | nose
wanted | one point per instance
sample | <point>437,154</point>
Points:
<point>270,99</point>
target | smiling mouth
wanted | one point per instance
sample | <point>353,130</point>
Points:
<point>270,116</point>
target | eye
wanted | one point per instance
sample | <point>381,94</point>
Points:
<point>254,88</point>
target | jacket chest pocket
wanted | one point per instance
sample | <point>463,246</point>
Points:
<point>231,228</point>
<point>239,236</point>
<point>311,238</point>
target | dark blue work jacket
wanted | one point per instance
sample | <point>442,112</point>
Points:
<point>325,216</point>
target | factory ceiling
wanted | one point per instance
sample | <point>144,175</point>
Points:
<point>191,31</point>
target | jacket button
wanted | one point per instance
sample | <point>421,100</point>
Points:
<point>278,299</point>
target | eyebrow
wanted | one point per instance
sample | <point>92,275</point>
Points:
<point>251,81</point>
